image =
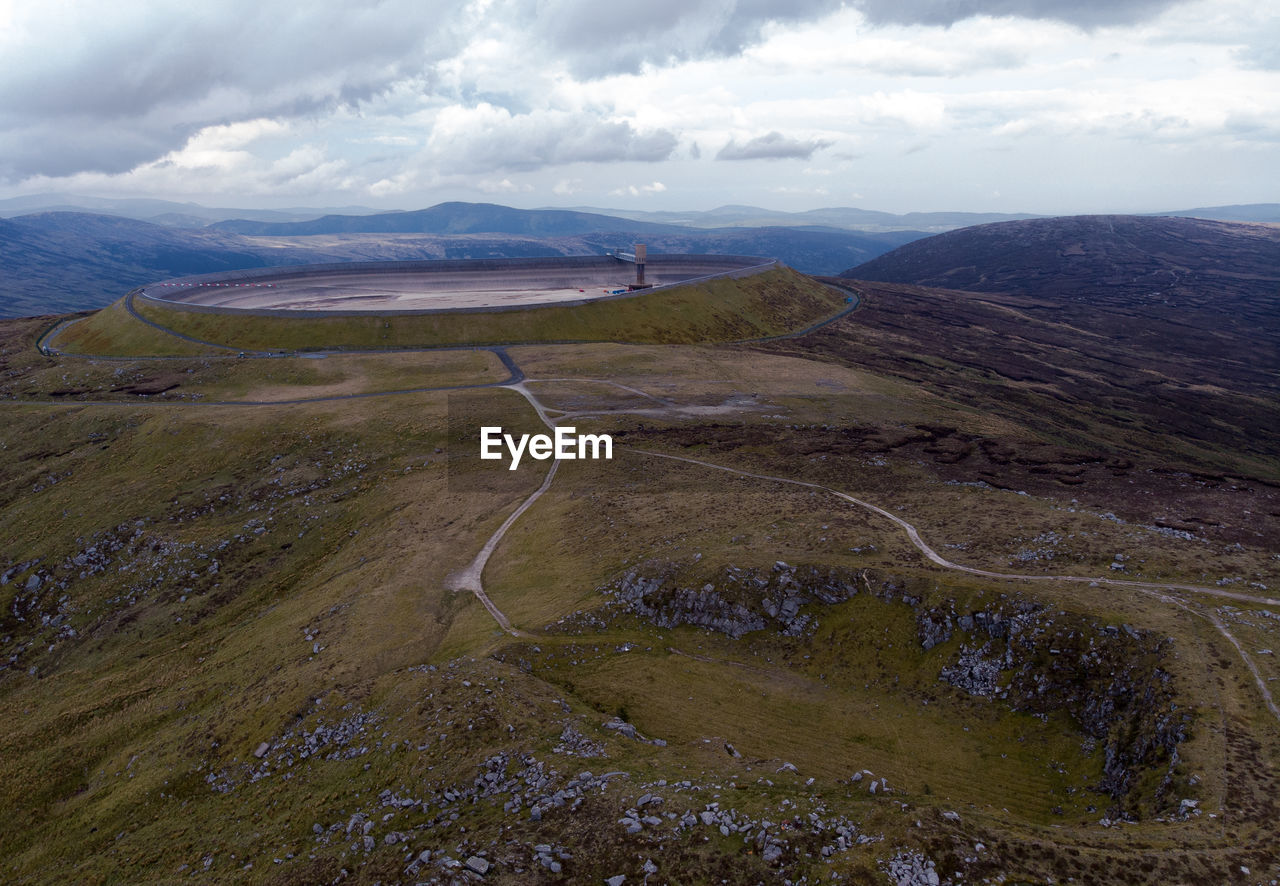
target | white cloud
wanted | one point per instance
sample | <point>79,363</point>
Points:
<point>503,186</point>
<point>640,191</point>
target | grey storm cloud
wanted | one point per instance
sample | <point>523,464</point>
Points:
<point>598,38</point>
<point>99,88</point>
<point>95,87</point>
<point>771,146</point>
<point>1084,13</point>
<point>155,72</point>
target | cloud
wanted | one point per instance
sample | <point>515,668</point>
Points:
<point>622,36</point>
<point>90,86</point>
<point>504,186</point>
<point>126,83</point>
<point>1082,13</point>
<point>485,137</point>
<point>771,146</point>
<point>641,191</point>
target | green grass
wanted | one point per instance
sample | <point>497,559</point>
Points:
<point>112,332</point>
<point>766,304</point>
<point>370,504</point>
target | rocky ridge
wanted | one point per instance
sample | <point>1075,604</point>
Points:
<point>1031,657</point>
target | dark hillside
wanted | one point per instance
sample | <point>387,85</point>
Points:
<point>54,262</point>
<point>1201,298</point>
<point>1099,259</point>
<point>1109,334</point>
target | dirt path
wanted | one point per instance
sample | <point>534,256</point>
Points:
<point>933,556</point>
<point>1151,588</point>
<point>472,577</point>
<point>1253,669</point>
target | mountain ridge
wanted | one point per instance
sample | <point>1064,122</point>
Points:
<point>59,261</point>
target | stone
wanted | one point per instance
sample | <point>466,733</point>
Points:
<point>477,864</point>
<point>617,880</point>
<point>261,750</point>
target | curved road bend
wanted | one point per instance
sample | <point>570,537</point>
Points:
<point>933,556</point>
<point>471,578</point>
<point>1151,588</point>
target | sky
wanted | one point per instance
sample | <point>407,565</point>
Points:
<point>898,105</point>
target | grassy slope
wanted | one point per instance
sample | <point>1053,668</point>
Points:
<point>115,735</point>
<point>113,332</point>
<point>767,304</point>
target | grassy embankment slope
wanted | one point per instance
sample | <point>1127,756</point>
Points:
<point>766,304</point>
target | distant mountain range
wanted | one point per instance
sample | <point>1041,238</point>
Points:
<point>835,218</point>
<point>169,212</point>
<point>158,211</point>
<point>58,261</point>
<point>55,262</point>
<point>1247,212</point>
<point>451,218</point>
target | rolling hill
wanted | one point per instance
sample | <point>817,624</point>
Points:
<point>1111,326</point>
<point>57,262</point>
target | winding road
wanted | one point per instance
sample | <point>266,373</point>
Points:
<point>470,578</point>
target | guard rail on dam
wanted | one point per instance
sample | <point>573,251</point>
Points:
<point>218,292</point>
